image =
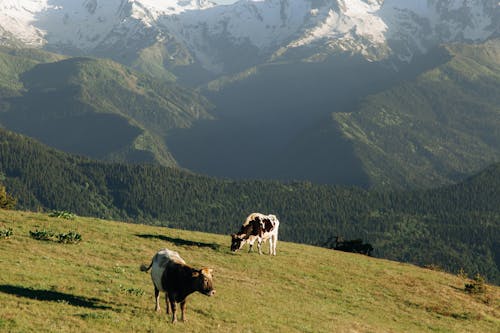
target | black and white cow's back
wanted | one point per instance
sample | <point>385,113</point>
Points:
<point>160,261</point>
<point>257,227</point>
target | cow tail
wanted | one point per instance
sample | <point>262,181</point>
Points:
<point>145,268</point>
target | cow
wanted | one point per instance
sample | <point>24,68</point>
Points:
<point>257,227</point>
<point>355,246</point>
<point>171,275</point>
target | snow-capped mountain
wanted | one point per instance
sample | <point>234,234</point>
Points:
<point>232,37</point>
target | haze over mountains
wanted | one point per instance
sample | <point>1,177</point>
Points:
<point>372,93</point>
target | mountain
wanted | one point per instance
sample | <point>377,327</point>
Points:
<point>94,107</point>
<point>297,87</point>
<point>350,121</point>
<point>432,130</point>
<point>179,35</point>
<point>453,227</point>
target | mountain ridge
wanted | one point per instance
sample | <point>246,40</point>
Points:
<point>250,32</point>
<point>276,71</point>
<point>128,113</point>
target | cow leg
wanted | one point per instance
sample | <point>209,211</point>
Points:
<point>166,303</point>
<point>157,299</point>
<point>250,245</point>
<point>173,306</point>
<point>259,245</point>
<point>271,242</point>
<point>275,241</point>
<point>183,310</point>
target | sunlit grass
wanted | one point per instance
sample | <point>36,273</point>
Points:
<point>96,286</point>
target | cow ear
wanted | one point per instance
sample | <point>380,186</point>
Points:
<point>242,236</point>
<point>206,271</point>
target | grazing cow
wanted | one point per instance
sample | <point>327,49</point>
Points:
<point>171,275</point>
<point>355,246</point>
<point>257,227</point>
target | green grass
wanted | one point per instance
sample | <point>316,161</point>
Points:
<point>96,286</point>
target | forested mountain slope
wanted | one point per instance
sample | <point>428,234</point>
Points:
<point>453,227</point>
<point>437,128</point>
<point>346,120</point>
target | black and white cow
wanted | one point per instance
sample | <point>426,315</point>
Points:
<point>171,275</point>
<point>257,227</point>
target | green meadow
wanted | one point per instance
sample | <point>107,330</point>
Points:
<point>96,285</point>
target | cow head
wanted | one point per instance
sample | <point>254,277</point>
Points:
<point>237,242</point>
<point>204,281</point>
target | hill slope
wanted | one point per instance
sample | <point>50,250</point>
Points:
<point>95,107</point>
<point>435,129</point>
<point>346,120</point>
<point>453,227</point>
<point>97,286</point>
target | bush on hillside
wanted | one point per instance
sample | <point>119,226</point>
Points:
<point>71,237</point>
<point>62,214</point>
<point>6,200</point>
<point>45,235</point>
<point>477,286</point>
<point>6,233</point>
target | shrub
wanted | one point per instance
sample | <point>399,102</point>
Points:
<point>462,274</point>
<point>6,233</point>
<point>477,286</point>
<point>45,235</point>
<point>62,214</point>
<point>71,237</point>
<point>6,200</point>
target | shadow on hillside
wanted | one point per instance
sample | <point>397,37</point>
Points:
<point>52,296</point>
<point>180,241</point>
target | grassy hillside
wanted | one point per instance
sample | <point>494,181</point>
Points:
<point>94,107</point>
<point>453,227</point>
<point>434,129</point>
<point>96,285</point>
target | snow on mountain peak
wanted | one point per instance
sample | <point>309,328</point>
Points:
<point>84,23</point>
<point>352,19</point>
<point>374,28</point>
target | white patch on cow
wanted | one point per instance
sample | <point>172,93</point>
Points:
<point>160,261</point>
<point>252,217</point>
<point>272,235</point>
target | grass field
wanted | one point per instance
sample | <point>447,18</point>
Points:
<point>96,285</point>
